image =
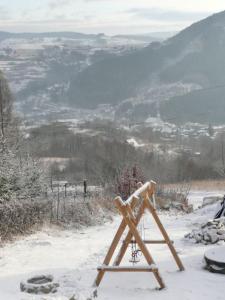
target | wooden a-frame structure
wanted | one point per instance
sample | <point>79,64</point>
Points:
<point>146,193</point>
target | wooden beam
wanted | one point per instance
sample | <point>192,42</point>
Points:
<point>128,269</point>
<point>128,238</point>
<point>152,210</point>
<point>138,192</point>
<point>113,246</point>
<point>152,242</point>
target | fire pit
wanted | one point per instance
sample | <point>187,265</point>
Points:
<point>43,284</point>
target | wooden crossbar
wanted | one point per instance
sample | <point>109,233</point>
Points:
<point>128,269</point>
<point>146,195</point>
<point>151,242</point>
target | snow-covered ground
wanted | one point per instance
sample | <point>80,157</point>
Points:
<point>72,256</point>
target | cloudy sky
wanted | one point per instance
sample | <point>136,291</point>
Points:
<point>108,16</point>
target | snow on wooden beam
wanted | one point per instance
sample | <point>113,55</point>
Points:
<point>150,268</point>
<point>153,242</point>
<point>136,194</point>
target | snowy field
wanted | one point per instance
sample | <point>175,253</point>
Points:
<point>72,256</point>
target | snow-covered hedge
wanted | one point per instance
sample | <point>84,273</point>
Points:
<point>21,187</point>
<point>18,217</point>
<point>20,176</point>
<point>25,200</point>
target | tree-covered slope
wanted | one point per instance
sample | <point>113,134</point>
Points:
<point>194,56</point>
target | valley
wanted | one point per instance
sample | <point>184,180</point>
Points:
<point>108,112</point>
<point>39,68</point>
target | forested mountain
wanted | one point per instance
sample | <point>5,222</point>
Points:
<point>194,58</point>
<point>63,74</point>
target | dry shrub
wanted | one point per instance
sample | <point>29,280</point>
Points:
<point>173,195</point>
<point>105,202</point>
<point>127,181</point>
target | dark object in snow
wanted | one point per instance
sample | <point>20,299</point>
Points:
<point>221,210</point>
<point>215,260</point>
<point>39,285</point>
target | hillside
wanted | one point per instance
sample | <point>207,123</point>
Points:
<point>125,77</point>
<point>194,58</point>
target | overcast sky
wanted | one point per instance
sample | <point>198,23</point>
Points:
<point>108,16</point>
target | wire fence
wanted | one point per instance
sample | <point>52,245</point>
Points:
<point>72,201</point>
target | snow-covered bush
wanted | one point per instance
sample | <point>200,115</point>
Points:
<point>21,190</point>
<point>18,217</point>
<point>20,176</point>
<point>21,179</point>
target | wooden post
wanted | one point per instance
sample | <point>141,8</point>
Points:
<point>110,252</point>
<point>152,210</point>
<point>128,238</point>
<point>85,187</point>
<point>65,189</point>
<point>112,248</point>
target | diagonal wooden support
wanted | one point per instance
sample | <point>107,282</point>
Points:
<point>128,238</point>
<point>113,246</point>
<point>152,210</point>
<point>130,221</point>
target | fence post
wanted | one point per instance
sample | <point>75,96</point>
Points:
<point>65,190</point>
<point>51,183</point>
<point>85,188</point>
